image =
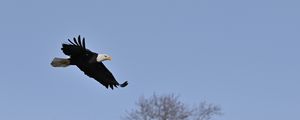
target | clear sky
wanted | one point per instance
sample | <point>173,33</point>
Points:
<point>241,55</point>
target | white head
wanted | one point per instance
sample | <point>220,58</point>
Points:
<point>103,57</point>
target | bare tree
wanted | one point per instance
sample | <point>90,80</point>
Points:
<point>168,107</point>
<point>205,111</point>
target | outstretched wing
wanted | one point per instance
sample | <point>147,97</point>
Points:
<point>75,48</point>
<point>100,73</point>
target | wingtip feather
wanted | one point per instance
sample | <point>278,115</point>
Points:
<point>124,84</point>
<point>83,42</point>
<point>74,39</point>
<point>79,41</point>
<point>71,42</point>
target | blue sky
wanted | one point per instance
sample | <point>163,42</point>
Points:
<point>241,55</point>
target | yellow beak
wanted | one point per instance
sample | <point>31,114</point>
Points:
<point>109,58</point>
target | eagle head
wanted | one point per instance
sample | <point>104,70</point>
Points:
<point>103,57</point>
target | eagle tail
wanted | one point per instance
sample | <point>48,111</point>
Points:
<point>124,84</point>
<point>60,62</point>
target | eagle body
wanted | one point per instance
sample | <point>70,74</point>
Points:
<point>87,61</point>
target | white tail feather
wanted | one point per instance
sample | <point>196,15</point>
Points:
<point>60,62</point>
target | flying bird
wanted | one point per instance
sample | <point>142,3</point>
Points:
<point>87,61</point>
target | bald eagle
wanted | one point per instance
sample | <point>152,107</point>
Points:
<point>87,61</point>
